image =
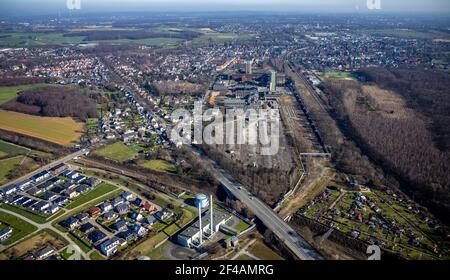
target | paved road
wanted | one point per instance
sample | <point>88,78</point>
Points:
<point>47,225</point>
<point>280,228</point>
<point>46,167</point>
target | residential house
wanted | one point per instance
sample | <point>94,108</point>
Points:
<point>87,228</point>
<point>96,236</point>
<point>119,225</point>
<point>109,247</point>
<point>163,214</point>
<point>109,216</point>
<point>105,207</point>
<point>70,223</point>
<point>45,252</point>
<point>122,208</point>
<point>127,196</point>
<point>52,209</point>
<point>149,207</point>
<point>94,212</point>
<point>82,217</point>
<point>5,234</point>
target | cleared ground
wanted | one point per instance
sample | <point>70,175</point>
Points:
<point>62,131</point>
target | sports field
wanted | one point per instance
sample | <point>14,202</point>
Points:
<point>339,75</point>
<point>62,131</point>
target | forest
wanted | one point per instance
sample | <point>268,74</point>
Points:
<point>397,130</point>
<point>64,101</point>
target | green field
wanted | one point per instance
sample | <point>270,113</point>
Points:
<point>11,149</point>
<point>15,40</point>
<point>20,227</point>
<point>30,215</point>
<point>9,164</point>
<point>339,75</point>
<point>62,131</point>
<point>118,152</point>
<point>158,165</point>
<point>8,93</point>
<point>143,42</point>
<point>100,190</point>
<point>96,256</point>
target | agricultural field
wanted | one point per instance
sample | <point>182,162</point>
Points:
<point>20,227</point>
<point>158,165</point>
<point>15,40</point>
<point>62,131</point>
<point>119,152</point>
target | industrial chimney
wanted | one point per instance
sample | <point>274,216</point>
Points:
<point>200,223</point>
<point>211,213</point>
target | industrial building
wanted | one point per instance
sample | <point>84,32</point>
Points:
<point>205,227</point>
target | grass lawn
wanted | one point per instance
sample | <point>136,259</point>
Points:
<point>97,192</point>
<point>8,93</point>
<point>20,227</point>
<point>96,256</point>
<point>118,152</point>
<point>241,226</point>
<point>13,40</point>
<point>260,250</point>
<point>11,149</point>
<point>27,214</point>
<point>63,131</point>
<point>6,165</point>
<point>158,165</point>
<point>157,254</point>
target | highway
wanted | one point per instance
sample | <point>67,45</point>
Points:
<point>46,167</point>
<point>298,246</point>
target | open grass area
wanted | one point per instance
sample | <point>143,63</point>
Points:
<point>8,93</point>
<point>241,226</point>
<point>35,217</point>
<point>260,250</point>
<point>11,149</point>
<point>100,190</point>
<point>9,164</point>
<point>118,152</point>
<point>62,131</point>
<point>20,227</point>
<point>96,256</point>
<point>339,75</point>
<point>158,165</point>
<point>143,42</point>
<point>15,40</point>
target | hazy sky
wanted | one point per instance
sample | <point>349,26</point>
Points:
<point>50,6</point>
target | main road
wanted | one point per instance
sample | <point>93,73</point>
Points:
<point>47,167</point>
<point>296,244</point>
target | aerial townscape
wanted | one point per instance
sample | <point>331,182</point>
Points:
<point>233,135</point>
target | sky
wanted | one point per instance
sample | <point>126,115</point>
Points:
<point>51,6</point>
